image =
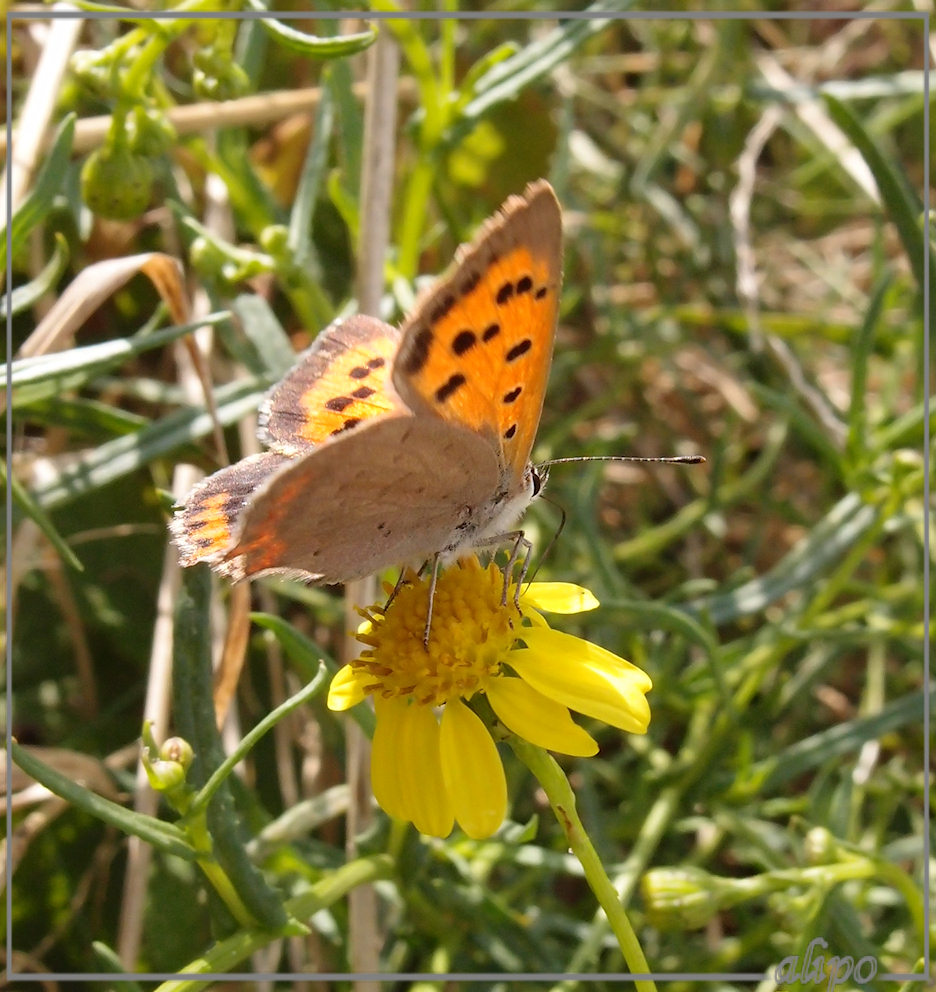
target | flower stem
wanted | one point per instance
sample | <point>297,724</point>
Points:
<point>562,799</point>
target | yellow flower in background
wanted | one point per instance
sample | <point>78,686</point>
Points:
<point>434,761</point>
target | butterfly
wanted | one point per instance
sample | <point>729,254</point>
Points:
<point>396,445</point>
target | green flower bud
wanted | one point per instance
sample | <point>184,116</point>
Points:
<point>178,750</point>
<point>679,898</point>
<point>216,77</point>
<point>164,775</point>
<point>205,256</point>
<point>819,847</point>
<point>117,183</point>
<point>275,239</point>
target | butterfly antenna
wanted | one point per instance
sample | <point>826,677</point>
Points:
<point>671,459</point>
<point>542,469</point>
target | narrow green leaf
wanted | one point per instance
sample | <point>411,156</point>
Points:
<point>123,455</point>
<point>845,523</point>
<point>48,182</point>
<point>50,375</point>
<point>32,510</point>
<point>806,755</point>
<point>485,64</point>
<point>310,180</point>
<point>109,960</point>
<point>193,705</point>
<point>506,79</point>
<point>305,655</point>
<point>26,296</point>
<point>309,44</point>
<point>90,418</point>
<point>646,614</point>
<point>164,836</point>
<point>901,201</point>
<point>270,342</point>
<point>856,442</point>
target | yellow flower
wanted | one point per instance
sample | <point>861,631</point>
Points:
<point>434,761</point>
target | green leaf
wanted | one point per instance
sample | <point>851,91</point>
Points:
<point>50,375</point>
<point>48,183</point>
<point>193,705</point>
<point>24,297</point>
<point>115,459</point>
<point>828,540</point>
<point>901,201</point>
<point>90,418</point>
<point>108,960</point>
<point>507,78</point>
<point>306,656</point>
<point>269,341</point>
<point>310,44</point>
<point>856,443</point>
<point>658,616</point>
<point>310,180</point>
<point>165,836</point>
<point>32,510</point>
<point>803,756</point>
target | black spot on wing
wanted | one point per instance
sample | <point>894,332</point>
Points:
<point>504,293</point>
<point>464,341</point>
<point>419,353</point>
<point>520,348</point>
<point>450,386</point>
<point>347,425</point>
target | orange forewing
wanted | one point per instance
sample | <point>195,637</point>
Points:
<point>478,347</point>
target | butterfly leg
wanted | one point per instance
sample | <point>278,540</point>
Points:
<point>401,581</point>
<point>522,552</point>
<point>436,561</point>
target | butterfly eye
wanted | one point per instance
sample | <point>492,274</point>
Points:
<point>537,480</point>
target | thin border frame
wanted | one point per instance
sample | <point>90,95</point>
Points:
<point>13,16</point>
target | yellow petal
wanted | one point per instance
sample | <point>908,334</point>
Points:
<point>558,597</point>
<point>536,619</point>
<point>584,677</point>
<point>537,719</point>
<point>346,690</point>
<point>474,775</point>
<point>406,767</point>
<point>385,765</point>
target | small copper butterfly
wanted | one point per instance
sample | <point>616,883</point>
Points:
<point>392,445</point>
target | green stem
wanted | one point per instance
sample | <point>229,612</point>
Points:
<point>562,799</point>
<point>227,954</point>
<point>247,743</point>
